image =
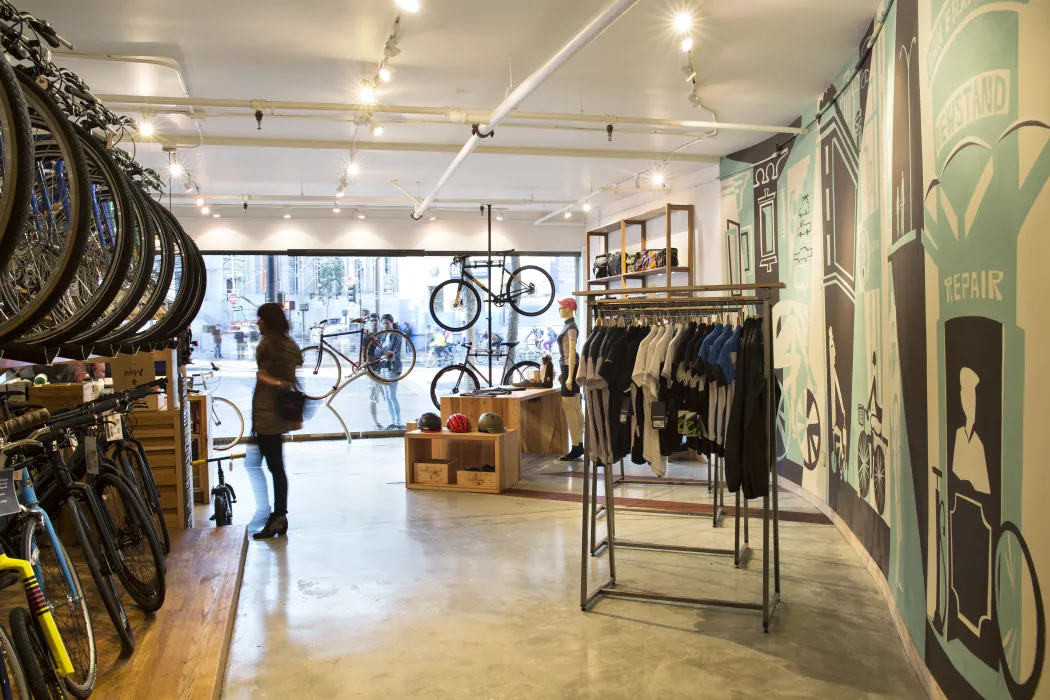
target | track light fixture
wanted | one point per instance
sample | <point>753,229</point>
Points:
<point>408,5</point>
<point>433,218</point>
<point>385,72</point>
<point>353,168</point>
<point>287,213</point>
<point>390,49</point>
<point>145,129</point>
<point>336,209</point>
<point>360,213</point>
<point>177,169</point>
<point>377,130</point>
<point>216,215</point>
<point>568,215</point>
<point>657,178</point>
<point>499,216</point>
<point>205,210</point>
<point>687,43</point>
<point>368,92</point>
<point>683,22</point>
<point>586,207</point>
<point>200,201</point>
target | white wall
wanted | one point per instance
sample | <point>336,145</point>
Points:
<point>703,192</point>
<point>235,233</point>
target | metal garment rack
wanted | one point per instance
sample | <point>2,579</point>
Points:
<point>684,300</point>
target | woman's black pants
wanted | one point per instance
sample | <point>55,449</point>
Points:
<point>272,449</point>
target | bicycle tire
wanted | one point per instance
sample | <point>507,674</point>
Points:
<point>547,291</point>
<point>190,294</point>
<point>103,580</point>
<point>16,676</point>
<point>458,289</point>
<point>864,465</point>
<point>1019,688</point>
<point>172,306</point>
<point>516,372</point>
<point>223,509</point>
<point>17,161</point>
<point>29,301</point>
<point>34,657</point>
<point>103,263</point>
<point>138,474</point>
<point>309,377</point>
<point>221,444</point>
<point>377,341</point>
<point>142,570</point>
<point>69,608</point>
<point>468,374</point>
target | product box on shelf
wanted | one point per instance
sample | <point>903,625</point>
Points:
<point>435,471</point>
<point>484,480</point>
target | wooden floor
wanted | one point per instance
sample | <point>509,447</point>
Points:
<point>181,649</point>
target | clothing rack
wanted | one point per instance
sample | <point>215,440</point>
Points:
<point>649,302</point>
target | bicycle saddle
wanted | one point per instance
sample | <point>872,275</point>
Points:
<point>510,345</point>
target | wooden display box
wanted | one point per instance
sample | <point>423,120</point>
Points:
<point>436,471</point>
<point>536,414</point>
<point>463,450</point>
<point>57,397</point>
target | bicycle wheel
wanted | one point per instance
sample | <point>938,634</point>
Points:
<point>138,474</point>
<point>878,475</point>
<point>530,290</point>
<point>17,161</point>
<point>68,605</point>
<point>864,464</point>
<point>377,363</point>
<point>17,688</point>
<point>455,305</point>
<point>430,360</point>
<point>142,570</point>
<point>1016,590</point>
<point>227,424</point>
<point>223,513</point>
<point>48,250</point>
<point>516,373</point>
<point>35,658</point>
<point>451,381</point>
<point>103,580</point>
<point>320,372</point>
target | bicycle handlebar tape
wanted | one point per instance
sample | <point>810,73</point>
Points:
<point>24,423</point>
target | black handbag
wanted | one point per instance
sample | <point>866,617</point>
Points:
<point>291,404</point>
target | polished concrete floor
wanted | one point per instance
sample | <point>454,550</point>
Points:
<point>379,592</point>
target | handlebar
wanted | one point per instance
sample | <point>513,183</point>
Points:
<point>24,423</point>
<point>199,462</point>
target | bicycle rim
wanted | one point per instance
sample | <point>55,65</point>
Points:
<point>452,381</point>
<point>17,143</point>
<point>385,370</point>
<point>320,372</point>
<point>530,290</point>
<point>227,424</point>
<point>142,570</point>
<point>517,372</point>
<point>455,305</point>
<point>139,475</point>
<point>68,606</point>
<point>178,290</point>
<point>15,675</point>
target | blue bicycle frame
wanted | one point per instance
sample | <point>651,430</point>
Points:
<point>27,497</point>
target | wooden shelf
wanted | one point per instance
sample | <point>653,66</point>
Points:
<point>465,450</point>
<point>650,273</point>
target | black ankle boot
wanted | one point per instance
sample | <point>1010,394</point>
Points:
<point>276,525</point>
<point>575,453</point>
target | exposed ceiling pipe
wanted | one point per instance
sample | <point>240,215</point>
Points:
<point>327,199</point>
<point>342,145</point>
<point>415,200</point>
<point>455,114</point>
<point>588,34</point>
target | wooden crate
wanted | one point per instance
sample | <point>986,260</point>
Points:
<point>536,414</point>
<point>482,480</point>
<point>466,450</point>
<point>161,435</point>
<point>56,397</point>
<point>435,471</point>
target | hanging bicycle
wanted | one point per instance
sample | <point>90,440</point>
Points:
<point>386,356</point>
<point>464,378</point>
<point>455,305</point>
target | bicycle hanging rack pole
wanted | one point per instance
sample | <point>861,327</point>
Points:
<point>489,300</point>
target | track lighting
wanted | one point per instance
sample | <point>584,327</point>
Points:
<point>657,178</point>
<point>683,22</point>
<point>360,213</point>
<point>205,210</point>
<point>499,216</point>
<point>390,49</point>
<point>287,213</point>
<point>377,130</point>
<point>177,169</point>
<point>353,168</point>
<point>145,129</point>
<point>368,92</point>
<point>336,209</point>
<point>408,5</point>
<point>568,215</point>
<point>687,43</point>
<point>189,186</point>
<point>694,97</point>
<point>200,201</point>
<point>339,192</point>
<point>586,207</point>
<point>216,215</point>
<point>385,73</point>
<point>433,218</point>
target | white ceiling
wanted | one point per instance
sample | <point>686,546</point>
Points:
<point>759,61</point>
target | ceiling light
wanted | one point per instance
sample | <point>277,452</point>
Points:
<point>360,213</point>
<point>205,210</point>
<point>216,215</point>
<point>377,130</point>
<point>353,168</point>
<point>568,215</point>
<point>499,216</point>
<point>177,169</point>
<point>586,206</point>
<point>687,43</point>
<point>287,213</point>
<point>657,178</point>
<point>339,192</point>
<point>433,218</point>
<point>368,92</point>
<point>200,201</point>
<point>189,186</point>
<point>336,209</point>
<point>408,5</point>
<point>384,74</point>
<point>683,22</point>
<point>145,129</point>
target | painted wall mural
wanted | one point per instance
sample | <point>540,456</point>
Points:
<point>911,225</point>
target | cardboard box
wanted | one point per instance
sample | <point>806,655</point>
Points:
<point>484,480</point>
<point>131,370</point>
<point>56,397</point>
<point>435,471</point>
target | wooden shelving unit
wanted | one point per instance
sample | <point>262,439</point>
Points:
<point>465,450</point>
<point>200,444</point>
<point>602,240</point>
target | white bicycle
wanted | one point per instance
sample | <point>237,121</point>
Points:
<point>226,422</point>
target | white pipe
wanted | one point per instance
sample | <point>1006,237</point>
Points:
<point>588,34</point>
<point>415,200</point>
<point>456,115</point>
<point>402,201</point>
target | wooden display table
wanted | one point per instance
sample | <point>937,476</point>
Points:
<point>536,414</point>
<point>438,460</point>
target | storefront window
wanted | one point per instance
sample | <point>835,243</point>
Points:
<point>337,289</point>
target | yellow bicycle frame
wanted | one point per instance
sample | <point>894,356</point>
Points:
<point>38,606</point>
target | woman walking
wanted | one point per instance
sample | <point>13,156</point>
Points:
<point>391,369</point>
<point>277,357</point>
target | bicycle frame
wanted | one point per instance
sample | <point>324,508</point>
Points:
<point>41,613</point>
<point>359,369</point>
<point>28,498</point>
<point>498,298</point>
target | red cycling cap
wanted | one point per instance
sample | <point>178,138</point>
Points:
<point>568,303</point>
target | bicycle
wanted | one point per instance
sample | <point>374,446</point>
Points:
<point>321,373</point>
<point>463,378</point>
<point>223,494</point>
<point>455,304</point>
<point>227,421</point>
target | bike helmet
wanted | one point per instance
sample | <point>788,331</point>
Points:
<point>429,423</point>
<point>491,423</point>
<point>458,423</point>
